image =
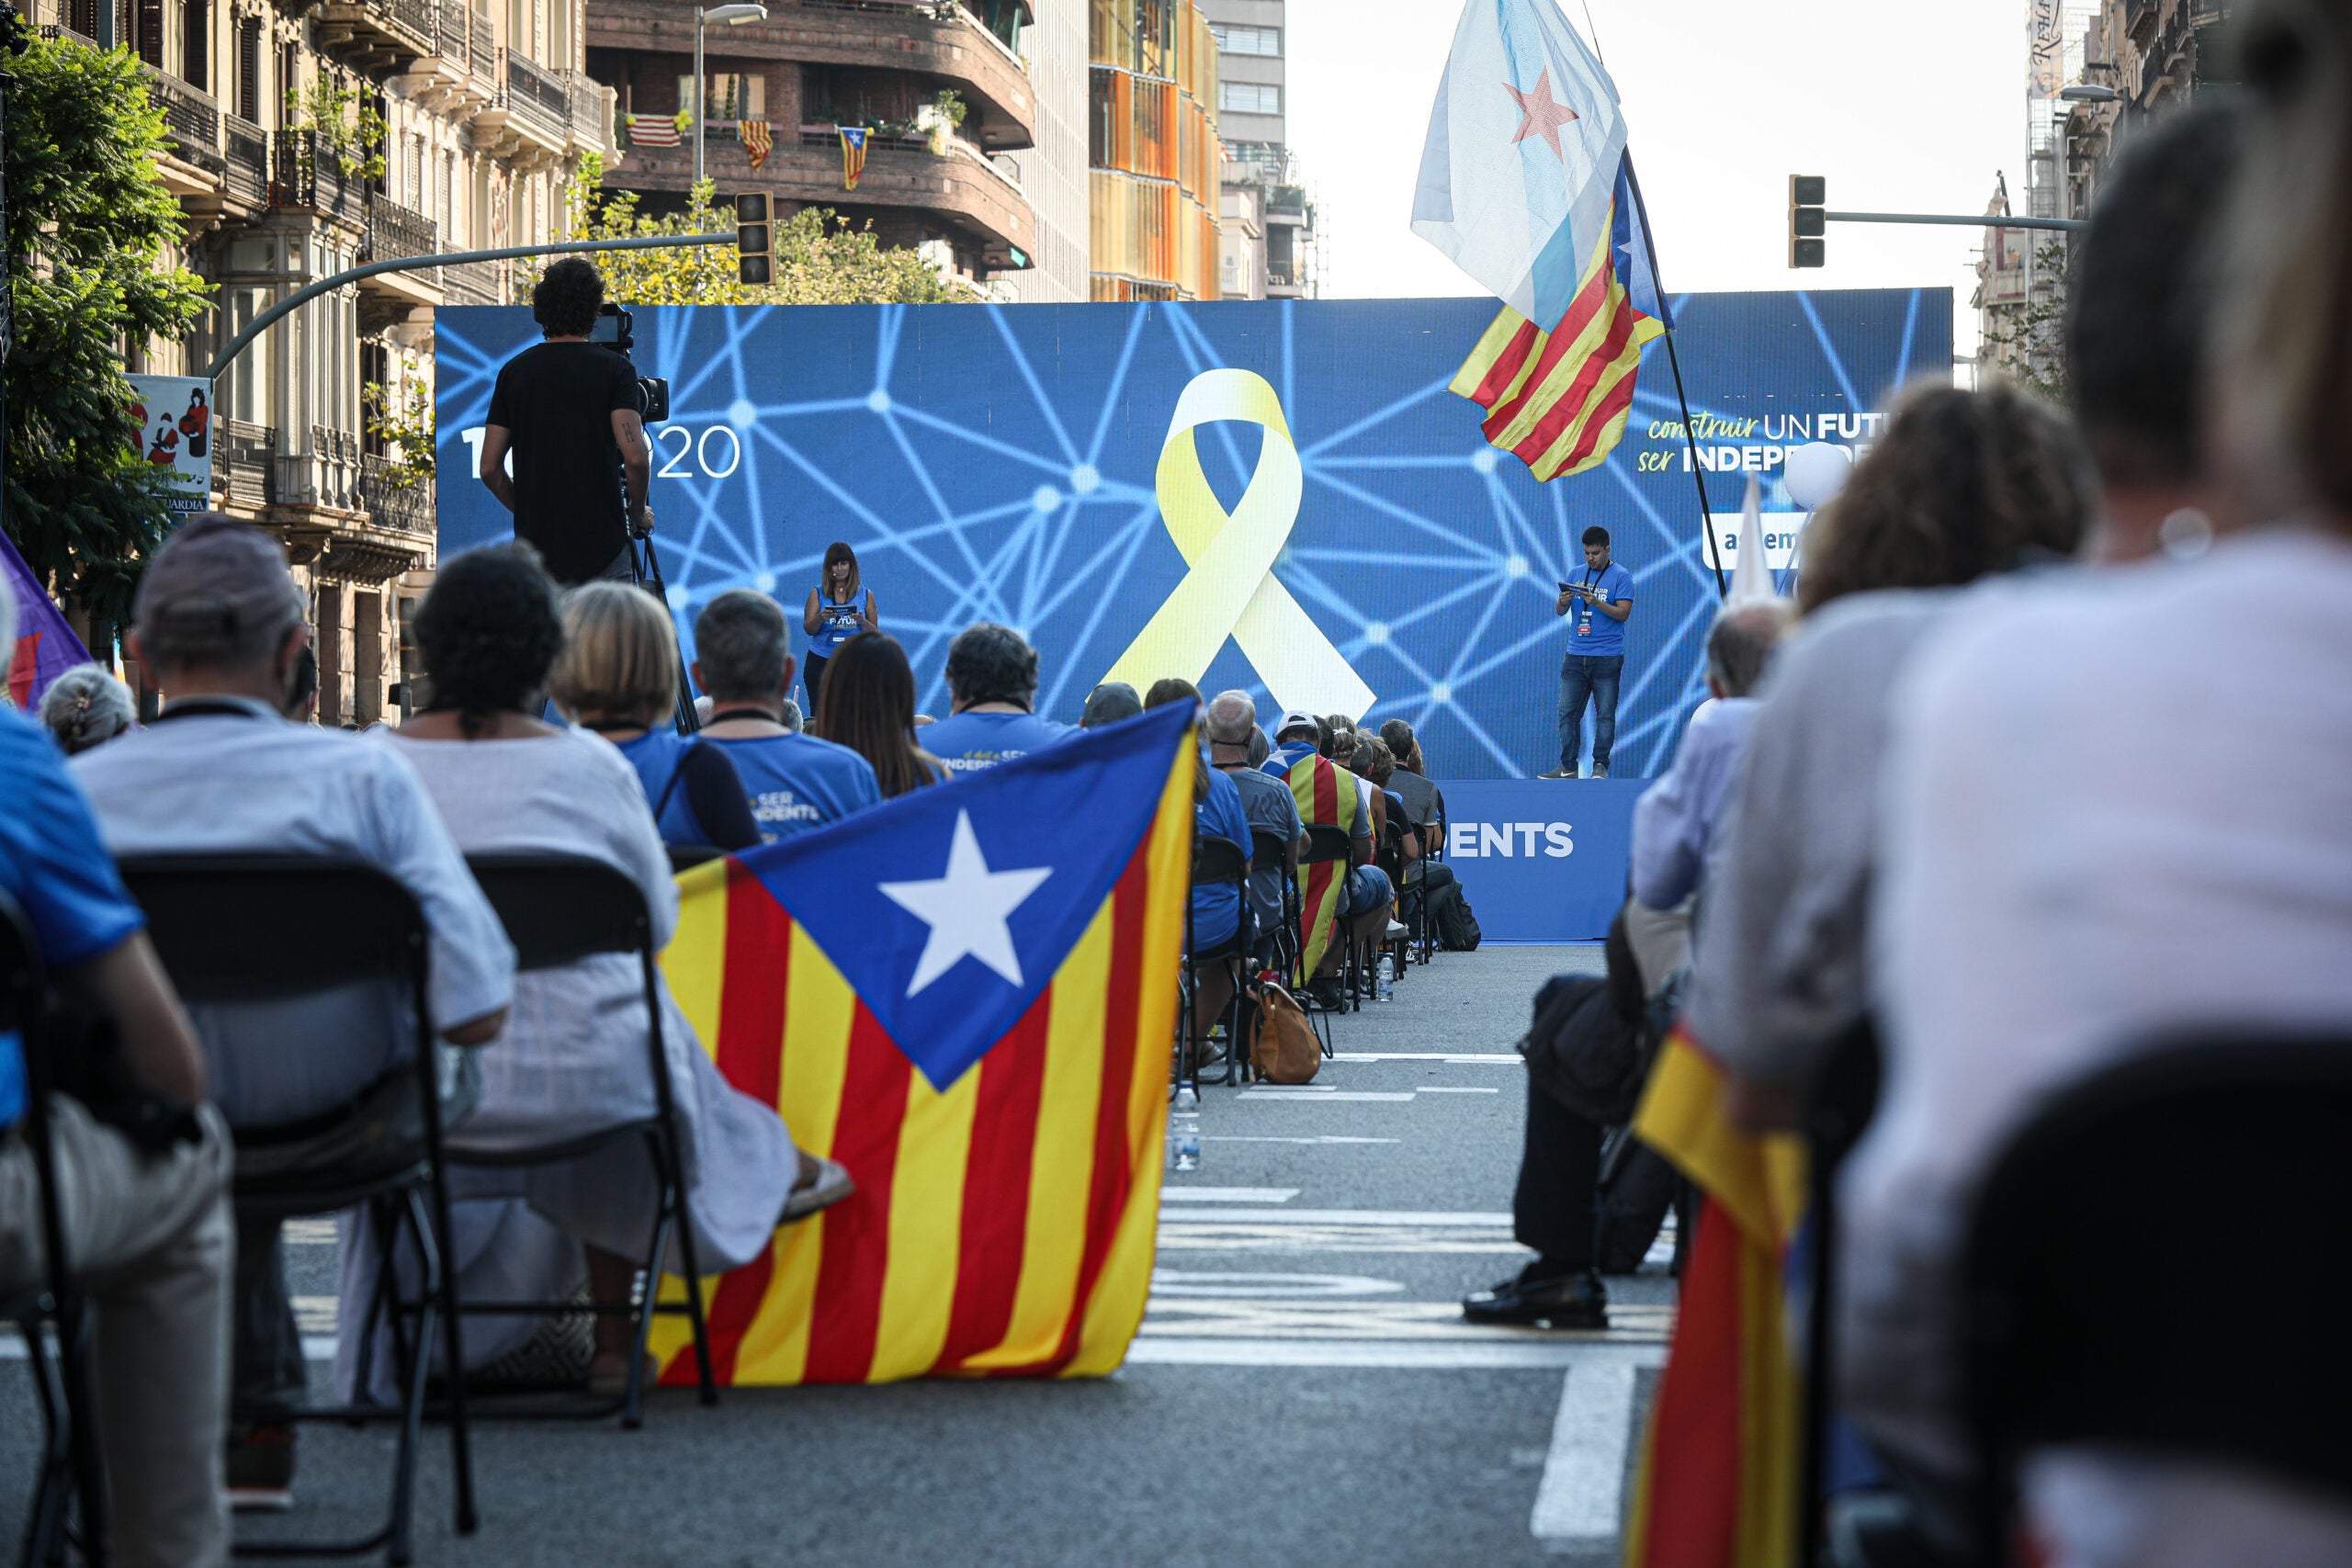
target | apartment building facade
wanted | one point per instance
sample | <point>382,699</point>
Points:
<point>1154,160</point>
<point>1267,221</point>
<point>953,188</point>
<point>486,111</point>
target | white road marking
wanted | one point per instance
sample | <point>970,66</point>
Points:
<point>1347,1217</point>
<point>1186,1282</point>
<point>1227,1194</point>
<point>1581,1501</point>
<point>1327,1096</point>
<point>1472,1056</point>
<point>1151,1350</point>
<point>1244,1315</point>
<point>1452,1088</point>
<point>1327,1138</point>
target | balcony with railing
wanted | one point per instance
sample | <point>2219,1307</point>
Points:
<point>309,176</point>
<point>374,38</point>
<point>473,283</point>
<point>395,232</point>
<point>245,461</point>
<point>192,124</point>
<point>395,498</point>
<point>528,124</point>
<point>247,148</point>
<point>459,75</point>
<point>591,117</point>
<point>938,40</point>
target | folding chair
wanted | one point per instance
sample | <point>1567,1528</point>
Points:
<point>1325,845</point>
<point>2076,1329</point>
<point>1215,862</point>
<point>1393,945</point>
<point>1844,1099</point>
<point>685,857</point>
<point>1269,851</point>
<point>1433,853</point>
<point>237,929</point>
<point>559,910</point>
<point>71,1471</point>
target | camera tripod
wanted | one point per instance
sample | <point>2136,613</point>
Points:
<point>644,570</point>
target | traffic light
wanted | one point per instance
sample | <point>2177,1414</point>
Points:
<point>754,260</point>
<point>1808,194</point>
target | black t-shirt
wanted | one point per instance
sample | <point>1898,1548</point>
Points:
<point>558,399</point>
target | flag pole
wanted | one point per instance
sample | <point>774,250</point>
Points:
<point>1698,473</point>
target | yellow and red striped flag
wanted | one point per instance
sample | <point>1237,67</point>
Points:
<point>1315,783</point>
<point>853,154</point>
<point>1720,1470</point>
<point>1558,399</point>
<point>986,1049</point>
<point>759,141</point>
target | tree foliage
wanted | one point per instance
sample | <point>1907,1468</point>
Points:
<point>820,259</point>
<point>89,224</point>
<point>403,415</point>
<point>2031,343</point>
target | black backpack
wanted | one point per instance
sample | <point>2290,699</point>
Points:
<point>1457,928</point>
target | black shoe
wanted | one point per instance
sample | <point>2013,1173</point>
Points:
<point>259,1469</point>
<point>1328,996</point>
<point>1569,1301</point>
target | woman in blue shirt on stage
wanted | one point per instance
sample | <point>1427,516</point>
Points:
<point>839,608</point>
<point>618,676</point>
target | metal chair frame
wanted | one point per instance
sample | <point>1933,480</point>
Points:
<point>557,910</point>
<point>72,1471</point>
<point>1215,862</point>
<point>1326,843</point>
<point>241,928</point>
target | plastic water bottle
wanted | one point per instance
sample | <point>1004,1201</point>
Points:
<point>1383,980</point>
<point>1184,1130</point>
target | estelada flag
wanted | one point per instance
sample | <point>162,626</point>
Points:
<point>759,141</point>
<point>1721,1470</point>
<point>1316,784</point>
<point>967,995</point>
<point>853,154</point>
<point>1558,399</point>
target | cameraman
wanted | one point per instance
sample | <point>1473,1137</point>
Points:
<point>568,409</point>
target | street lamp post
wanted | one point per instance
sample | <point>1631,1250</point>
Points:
<point>727,16</point>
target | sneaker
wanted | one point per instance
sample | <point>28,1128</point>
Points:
<point>1601,770</point>
<point>1558,773</point>
<point>826,1186</point>
<point>260,1469</point>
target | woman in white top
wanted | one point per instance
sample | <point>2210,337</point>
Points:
<point>572,1055</point>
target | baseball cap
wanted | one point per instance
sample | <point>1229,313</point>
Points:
<point>217,580</point>
<point>1295,719</point>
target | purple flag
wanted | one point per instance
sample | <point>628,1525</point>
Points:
<point>46,645</point>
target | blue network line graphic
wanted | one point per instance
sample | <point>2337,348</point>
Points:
<point>997,463</point>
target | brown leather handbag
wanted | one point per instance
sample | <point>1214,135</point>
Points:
<point>1286,1051</point>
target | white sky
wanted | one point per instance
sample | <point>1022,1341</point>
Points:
<point>1904,104</point>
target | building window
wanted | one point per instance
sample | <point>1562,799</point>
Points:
<point>1249,97</point>
<point>249,68</point>
<point>1231,40</point>
<point>727,95</point>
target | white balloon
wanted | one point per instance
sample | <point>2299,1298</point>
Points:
<point>1816,471</point>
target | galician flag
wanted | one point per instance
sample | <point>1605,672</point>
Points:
<point>1522,155</point>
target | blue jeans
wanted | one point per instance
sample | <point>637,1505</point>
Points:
<point>1586,675</point>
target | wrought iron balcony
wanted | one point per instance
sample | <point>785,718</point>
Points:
<point>248,160</point>
<point>394,231</point>
<point>244,463</point>
<point>391,504</point>
<point>471,283</point>
<point>306,175</point>
<point>449,28</point>
<point>537,93</point>
<point>191,117</point>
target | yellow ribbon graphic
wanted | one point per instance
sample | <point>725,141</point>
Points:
<point>1231,590</point>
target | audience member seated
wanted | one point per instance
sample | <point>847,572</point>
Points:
<point>796,781</point>
<point>618,676</point>
<point>146,1228</point>
<point>874,714</point>
<point>1260,746</point>
<point>1218,926</point>
<point>1330,796</point>
<point>1108,703</point>
<point>572,1056</point>
<point>218,621</point>
<point>1586,1052</point>
<point>2097,835</point>
<point>1780,975</point>
<point>1675,838</point>
<point>1266,802</point>
<point>84,708</point>
<point>1423,802</point>
<point>992,683</point>
<point>1423,876</point>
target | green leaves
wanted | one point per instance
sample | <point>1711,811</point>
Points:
<point>90,231</point>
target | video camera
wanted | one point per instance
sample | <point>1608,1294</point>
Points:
<point>612,330</point>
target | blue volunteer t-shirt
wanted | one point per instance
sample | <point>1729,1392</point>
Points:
<point>1590,632</point>
<point>656,755</point>
<point>968,742</point>
<point>52,862</point>
<point>1216,909</point>
<point>836,623</point>
<point>797,781</point>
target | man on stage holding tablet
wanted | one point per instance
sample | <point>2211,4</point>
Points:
<point>1597,604</point>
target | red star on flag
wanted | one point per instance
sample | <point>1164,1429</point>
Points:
<point>1544,115</point>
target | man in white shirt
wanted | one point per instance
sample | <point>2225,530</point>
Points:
<point>220,623</point>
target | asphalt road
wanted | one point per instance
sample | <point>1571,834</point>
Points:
<point>1304,1390</point>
